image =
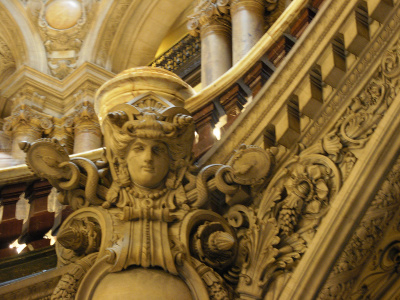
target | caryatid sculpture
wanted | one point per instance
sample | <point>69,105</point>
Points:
<point>148,223</point>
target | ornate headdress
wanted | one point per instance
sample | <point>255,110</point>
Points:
<point>150,114</point>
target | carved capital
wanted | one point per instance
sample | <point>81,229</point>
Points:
<point>257,6</point>
<point>62,131</point>
<point>26,120</point>
<point>85,118</point>
<point>208,12</point>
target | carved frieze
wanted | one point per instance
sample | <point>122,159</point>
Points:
<point>380,279</point>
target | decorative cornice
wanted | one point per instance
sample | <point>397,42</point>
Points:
<point>377,48</point>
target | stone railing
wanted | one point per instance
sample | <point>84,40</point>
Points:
<point>227,96</point>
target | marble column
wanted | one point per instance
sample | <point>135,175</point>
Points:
<point>26,124</point>
<point>212,21</point>
<point>247,25</point>
<point>87,133</point>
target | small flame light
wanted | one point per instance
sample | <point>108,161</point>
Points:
<point>19,247</point>
<point>50,237</point>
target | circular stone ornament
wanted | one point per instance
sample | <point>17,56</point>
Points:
<point>45,156</point>
<point>250,165</point>
<point>63,14</point>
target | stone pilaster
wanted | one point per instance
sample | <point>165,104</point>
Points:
<point>247,25</point>
<point>86,128</point>
<point>212,21</point>
<point>26,124</point>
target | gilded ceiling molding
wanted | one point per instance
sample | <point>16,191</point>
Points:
<point>109,29</point>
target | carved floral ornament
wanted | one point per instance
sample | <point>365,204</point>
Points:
<point>144,211</point>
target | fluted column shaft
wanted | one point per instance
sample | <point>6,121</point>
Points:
<point>247,25</point>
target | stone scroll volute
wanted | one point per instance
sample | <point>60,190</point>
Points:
<point>147,220</point>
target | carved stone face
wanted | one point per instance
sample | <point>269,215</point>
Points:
<point>148,162</point>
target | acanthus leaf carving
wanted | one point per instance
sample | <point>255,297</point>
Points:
<point>24,117</point>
